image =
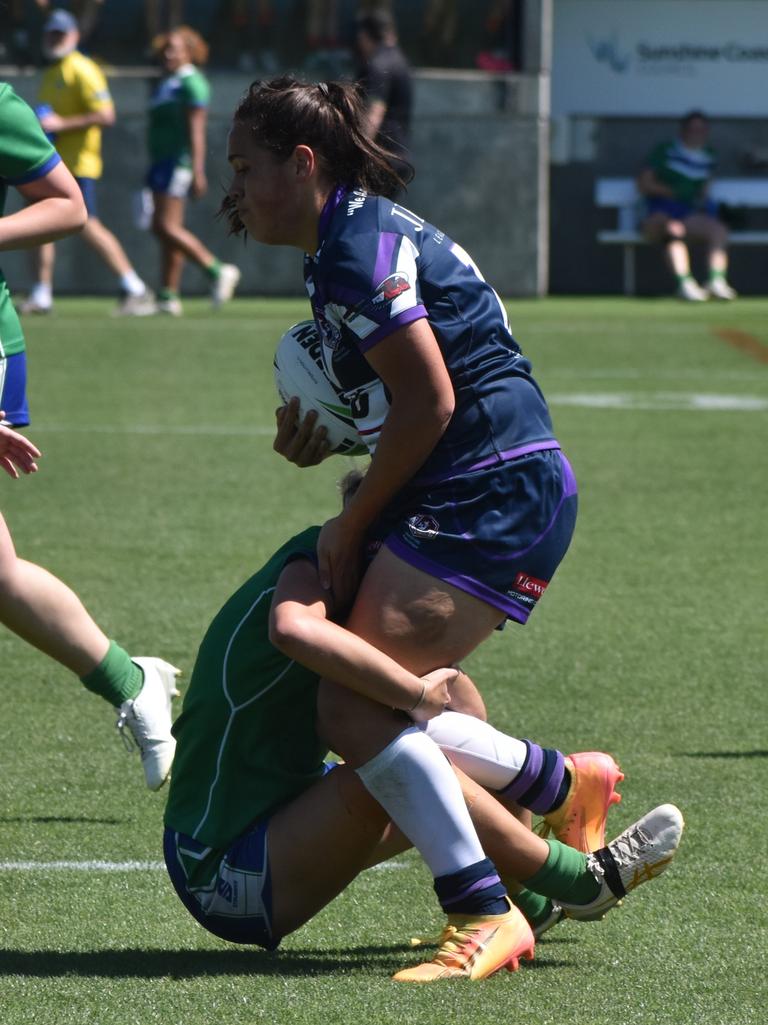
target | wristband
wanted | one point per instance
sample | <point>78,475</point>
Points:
<point>420,697</point>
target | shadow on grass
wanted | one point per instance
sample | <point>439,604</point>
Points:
<point>721,754</point>
<point>191,964</point>
<point>63,818</point>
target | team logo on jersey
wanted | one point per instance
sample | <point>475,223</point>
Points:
<point>423,526</point>
<point>527,589</point>
<point>331,334</point>
<point>391,288</point>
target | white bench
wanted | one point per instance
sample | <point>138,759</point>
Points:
<point>621,194</point>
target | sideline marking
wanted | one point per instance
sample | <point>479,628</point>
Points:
<point>118,866</point>
<point>655,401</point>
<point>744,342</point>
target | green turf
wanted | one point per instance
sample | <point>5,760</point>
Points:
<point>159,493</point>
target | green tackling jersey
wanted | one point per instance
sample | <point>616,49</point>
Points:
<point>246,737</point>
<point>25,155</point>
<point>168,131</point>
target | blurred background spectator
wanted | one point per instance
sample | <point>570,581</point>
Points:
<point>675,183</point>
<point>385,78</point>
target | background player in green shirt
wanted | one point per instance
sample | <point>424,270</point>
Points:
<point>178,111</point>
<point>260,835</point>
<point>675,184</point>
<point>33,603</point>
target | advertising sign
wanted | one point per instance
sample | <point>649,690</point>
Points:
<point>658,57</point>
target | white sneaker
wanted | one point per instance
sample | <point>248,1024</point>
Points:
<point>143,305</point>
<point>148,717</point>
<point>32,305</point>
<point>636,856</point>
<point>691,291</point>
<point>225,284</point>
<point>719,288</point>
<point>171,307</point>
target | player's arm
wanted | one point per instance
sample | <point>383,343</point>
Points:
<point>55,209</point>
<point>648,184</point>
<point>375,111</point>
<point>300,627</point>
<point>197,118</point>
<point>411,365</point>
<point>103,116</point>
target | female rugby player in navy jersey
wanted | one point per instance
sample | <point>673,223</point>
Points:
<point>468,505</point>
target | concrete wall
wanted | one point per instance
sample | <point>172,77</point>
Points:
<point>479,150</point>
<point>588,148</point>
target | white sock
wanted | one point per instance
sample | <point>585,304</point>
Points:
<point>131,283</point>
<point>487,756</point>
<point>41,294</point>
<point>415,784</point>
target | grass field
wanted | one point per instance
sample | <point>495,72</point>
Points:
<point>159,493</point>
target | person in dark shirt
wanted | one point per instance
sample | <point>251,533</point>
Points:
<point>385,78</point>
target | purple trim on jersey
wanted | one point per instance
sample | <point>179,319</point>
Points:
<point>39,172</point>
<point>326,214</point>
<point>492,460</point>
<point>481,884</point>
<point>528,774</point>
<point>468,584</point>
<point>406,317</point>
<point>387,243</point>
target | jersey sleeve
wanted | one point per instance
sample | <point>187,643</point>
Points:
<point>196,90</point>
<point>93,87</point>
<point>657,158</point>
<point>26,153</point>
<point>374,286</point>
<point>376,81</point>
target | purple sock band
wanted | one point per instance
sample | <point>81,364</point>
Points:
<point>544,801</point>
<point>529,773</point>
<point>481,884</point>
<point>538,783</point>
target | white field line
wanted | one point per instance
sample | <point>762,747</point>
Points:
<point>694,402</point>
<point>117,866</point>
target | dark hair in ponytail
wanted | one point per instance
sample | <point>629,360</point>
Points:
<point>284,113</point>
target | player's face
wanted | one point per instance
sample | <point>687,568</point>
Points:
<point>264,189</point>
<point>174,54</point>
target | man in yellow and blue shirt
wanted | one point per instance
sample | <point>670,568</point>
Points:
<point>74,104</point>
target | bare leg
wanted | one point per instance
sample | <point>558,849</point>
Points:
<point>44,258</point>
<point>42,610</point>
<point>107,246</point>
<point>329,834</point>
<point>168,227</point>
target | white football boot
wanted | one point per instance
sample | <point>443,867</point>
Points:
<point>639,854</point>
<point>719,288</point>
<point>148,717</point>
<point>691,291</point>
<point>225,284</point>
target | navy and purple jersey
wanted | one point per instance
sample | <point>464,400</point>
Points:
<point>379,267</point>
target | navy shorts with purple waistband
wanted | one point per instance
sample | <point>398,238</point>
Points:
<point>498,530</point>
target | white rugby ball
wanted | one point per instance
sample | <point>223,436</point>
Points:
<point>299,372</point>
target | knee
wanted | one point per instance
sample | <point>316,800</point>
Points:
<point>161,229</point>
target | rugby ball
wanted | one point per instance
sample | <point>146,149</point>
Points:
<point>299,372</point>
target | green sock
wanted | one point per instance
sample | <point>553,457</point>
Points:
<point>683,277</point>
<point>564,876</point>
<point>214,269</point>
<point>536,908</point>
<point>116,678</point>
<point>715,274</point>
<point>167,293</point>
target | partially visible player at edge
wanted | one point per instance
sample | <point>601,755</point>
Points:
<point>468,505</point>
<point>33,603</point>
<point>74,106</point>
<point>259,836</point>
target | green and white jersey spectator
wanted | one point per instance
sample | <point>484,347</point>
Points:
<point>172,99</point>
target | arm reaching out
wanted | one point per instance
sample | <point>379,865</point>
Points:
<point>17,453</point>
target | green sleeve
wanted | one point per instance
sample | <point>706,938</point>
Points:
<point>658,157</point>
<point>25,151</point>
<point>197,92</point>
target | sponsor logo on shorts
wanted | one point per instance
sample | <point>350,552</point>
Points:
<point>423,526</point>
<point>530,585</point>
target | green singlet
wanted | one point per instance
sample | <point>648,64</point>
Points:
<point>26,154</point>
<point>246,737</point>
<point>168,125</point>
